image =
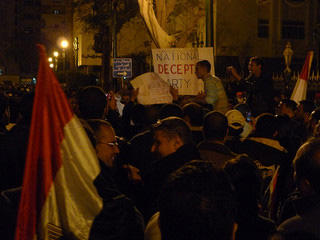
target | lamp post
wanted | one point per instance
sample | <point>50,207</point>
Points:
<point>50,62</point>
<point>64,45</point>
<point>56,55</point>
<point>287,54</point>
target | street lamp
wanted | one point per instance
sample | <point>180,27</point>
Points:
<point>64,44</point>
<point>56,55</point>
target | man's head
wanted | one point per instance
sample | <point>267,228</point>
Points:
<point>247,181</point>
<point>170,110</point>
<point>235,122</point>
<point>267,126</point>
<point>106,144</point>
<point>202,68</point>
<point>287,107</point>
<point>193,114</point>
<point>307,167</point>
<point>169,135</point>
<point>197,202</point>
<point>215,126</point>
<point>92,103</point>
<point>304,110</point>
<point>256,65</point>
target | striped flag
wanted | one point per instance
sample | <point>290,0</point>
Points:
<point>58,196</point>
<point>300,90</point>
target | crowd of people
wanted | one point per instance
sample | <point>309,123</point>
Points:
<point>203,167</point>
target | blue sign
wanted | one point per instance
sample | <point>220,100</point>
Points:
<point>122,67</point>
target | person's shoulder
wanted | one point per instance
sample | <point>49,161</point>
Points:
<point>141,137</point>
<point>290,224</point>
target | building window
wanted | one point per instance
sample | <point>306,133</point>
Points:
<point>293,30</point>
<point>263,28</point>
<point>56,11</point>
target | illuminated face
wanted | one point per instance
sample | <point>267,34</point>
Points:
<point>282,108</point>
<point>201,71</point>
<point>254,69</point>
<point>162,144</point>
<point>106,146</point>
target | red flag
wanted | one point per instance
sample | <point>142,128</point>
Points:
<point>58,196</point>
<point>300,90</point>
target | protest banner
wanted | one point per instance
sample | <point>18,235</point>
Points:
<point>152,89</point>
<point>176,66</point>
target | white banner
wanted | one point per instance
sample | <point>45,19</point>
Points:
<point>152,89</point>
<point>177,67</point>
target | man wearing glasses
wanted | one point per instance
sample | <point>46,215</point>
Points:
<point>106,144</point>
<point>118,219</point>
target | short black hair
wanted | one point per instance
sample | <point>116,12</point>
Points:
<point>197,202</point>
<point>215,125</point>
<point>266,125</point>
<point>95,125</point>
<point>92,102</point>
<point>173,126</point>
<point>195,113</point>
<point>290,104</point>
<point>258,61</point>
<point>307,162</point>
<point>170,110</point>
<point>206,64</point>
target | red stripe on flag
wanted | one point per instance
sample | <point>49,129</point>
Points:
<point>306,67</point>
<point>51,112</point>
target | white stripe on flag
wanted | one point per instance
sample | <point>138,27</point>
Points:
<point>73,201</point>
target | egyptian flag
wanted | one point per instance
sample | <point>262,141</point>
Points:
<point>300,90</point>
<point>58,196</point>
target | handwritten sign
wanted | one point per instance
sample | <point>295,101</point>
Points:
<point>122,67</point>
<point>177,67</point>
<point>152,89</point>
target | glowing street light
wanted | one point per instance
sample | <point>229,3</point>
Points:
<point>56,55</point>
<point>51,65</point>
<point>64,44</point>
<point>50,59</point>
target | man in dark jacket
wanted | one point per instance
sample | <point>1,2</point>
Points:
<point>174,147</point>
<point>215,128</point>
<point>269,155</point>
<point>259,86</point>
<point>118,219</point>
<point>307,178</point>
